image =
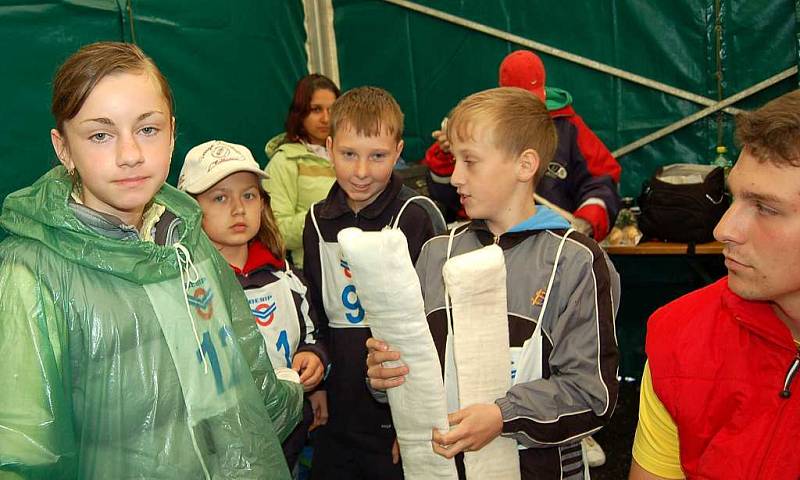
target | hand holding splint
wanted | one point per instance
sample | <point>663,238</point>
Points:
<point>474,427</point>
<point>380,377</point>
<point>310,368</point>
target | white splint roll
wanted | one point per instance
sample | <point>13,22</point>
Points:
<point>388,288</point>
<point>476,283</point>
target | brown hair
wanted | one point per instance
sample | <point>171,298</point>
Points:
<point>83,70</point>
<point>268,232</point>
<point>301,104</point>
<point>516,119</point>
<point>369,111</point>
<point>772,132</point>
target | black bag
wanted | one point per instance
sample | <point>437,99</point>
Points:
<point>683,203</point>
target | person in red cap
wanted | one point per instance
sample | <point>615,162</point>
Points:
<point>583,175</point>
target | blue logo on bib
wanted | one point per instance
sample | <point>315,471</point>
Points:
<point>353,304</point>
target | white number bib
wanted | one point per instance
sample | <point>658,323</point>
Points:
<point>339,297</point>
<point>275,314</point>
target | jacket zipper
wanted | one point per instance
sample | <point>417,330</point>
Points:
<point>784,394</point>
<point>790,374</point>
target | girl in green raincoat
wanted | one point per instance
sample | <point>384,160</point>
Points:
<point>128,348</point>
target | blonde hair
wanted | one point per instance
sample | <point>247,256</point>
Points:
<point>268,232</point>
<point>772,132</point>
<point>515,119</point>
<point>369,111</point>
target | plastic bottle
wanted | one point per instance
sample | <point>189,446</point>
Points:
<point>722,160</point>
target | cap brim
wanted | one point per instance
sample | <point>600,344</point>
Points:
<point>219,174</point>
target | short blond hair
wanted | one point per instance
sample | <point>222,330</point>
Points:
<point>369,111</point>
<point>515,119</point>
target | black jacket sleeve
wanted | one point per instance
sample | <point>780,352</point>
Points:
<point>312,271</point>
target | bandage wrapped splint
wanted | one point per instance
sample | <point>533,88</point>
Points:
<point>476,284</point>
<point>389,290</point>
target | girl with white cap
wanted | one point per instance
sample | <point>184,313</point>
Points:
<point>226,181</point>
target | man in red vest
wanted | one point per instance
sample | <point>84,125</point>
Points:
<point>719,397</point>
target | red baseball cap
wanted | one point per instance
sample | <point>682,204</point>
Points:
<point>523,69</point>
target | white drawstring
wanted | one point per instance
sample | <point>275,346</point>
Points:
<point>187,268</point>
<point>190,274</point>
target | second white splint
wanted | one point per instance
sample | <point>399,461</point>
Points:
<point>388,288</point>
<point>476,284</point>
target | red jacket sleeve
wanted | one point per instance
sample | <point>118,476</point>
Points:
<point>438,161</point>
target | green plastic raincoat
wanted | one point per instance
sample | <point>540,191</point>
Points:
<point>112,367</point>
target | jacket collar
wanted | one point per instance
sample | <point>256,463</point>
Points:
<point>758,317</point>
<point>505,241</point>
<point>112,226</point>
<point>562,112</point>
<point>335,204</point>
<point>543,219</point>
<point>258,257</point>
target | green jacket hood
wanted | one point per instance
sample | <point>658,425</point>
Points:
<point>41,212</point>
<point>272,145</point>
<point>290,150</point>
<point>556,98</point>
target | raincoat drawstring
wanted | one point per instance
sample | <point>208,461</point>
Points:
<point>189,274</point>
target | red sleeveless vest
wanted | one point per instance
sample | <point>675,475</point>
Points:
<point>723,368</point>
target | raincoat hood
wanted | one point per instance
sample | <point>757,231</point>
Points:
<point>41,212</point>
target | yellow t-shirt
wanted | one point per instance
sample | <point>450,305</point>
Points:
<point>656,447</point>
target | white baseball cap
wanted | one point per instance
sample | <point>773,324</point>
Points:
<point>210,162</point>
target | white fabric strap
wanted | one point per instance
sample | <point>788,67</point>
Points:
<point>294,283</point>
<point>450,367</point>
<point>421,198</point>
<point>299,287</point>
<point>545,302</point>
<point>446,291</point>
<point>314,221</point>
<point>476,281</point>
<point>390,293</point>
